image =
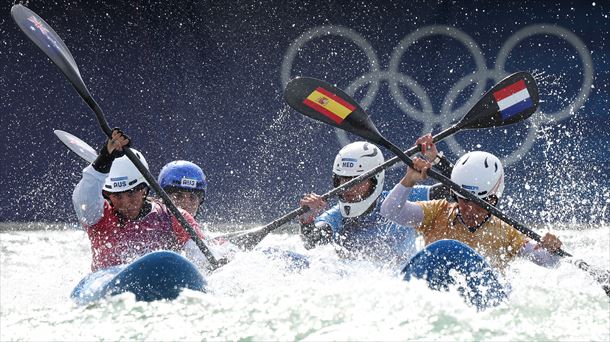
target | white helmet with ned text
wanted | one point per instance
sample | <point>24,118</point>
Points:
<point>352,161</point>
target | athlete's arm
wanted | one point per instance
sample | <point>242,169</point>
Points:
<point>223,252</point>
<point>219,247</point>
<point>87,197</point>
<point>542,253</point>
<point>540,256</point>
<point>315,234</point>
<point>397,207</point>
<point>443,164</point>
<point>428,151</point>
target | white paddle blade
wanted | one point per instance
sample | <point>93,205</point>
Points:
<point>76,145</point>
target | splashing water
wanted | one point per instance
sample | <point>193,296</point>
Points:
<point>254,298</point>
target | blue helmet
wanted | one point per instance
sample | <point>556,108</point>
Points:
<point>184,175</point>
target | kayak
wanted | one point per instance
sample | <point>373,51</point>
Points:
<point>449,263</point>
<point>161,275</point>
<point>154,276</point>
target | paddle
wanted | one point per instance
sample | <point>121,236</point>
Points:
<point>332,106</point>
<point>76,145</point>
<point>39,32</point>
<point>484,114</point>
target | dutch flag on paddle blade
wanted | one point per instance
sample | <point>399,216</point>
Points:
<point>513,99</point>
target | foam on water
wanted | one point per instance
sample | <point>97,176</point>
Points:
<point>254,298</point>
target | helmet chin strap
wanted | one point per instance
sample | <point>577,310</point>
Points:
<point>473,228</point>
<point>459,214</point>
<point>370,208</point>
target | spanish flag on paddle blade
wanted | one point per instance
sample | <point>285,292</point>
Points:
<point>329,105</point>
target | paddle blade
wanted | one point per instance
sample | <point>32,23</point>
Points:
<point>76,145</point>
<point>324,102</point>
<point>513,99</point>
<point>49,42</point>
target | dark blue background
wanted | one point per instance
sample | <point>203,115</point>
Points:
<point>200,80</point>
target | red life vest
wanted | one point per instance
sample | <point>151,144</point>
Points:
<point>116,241</point>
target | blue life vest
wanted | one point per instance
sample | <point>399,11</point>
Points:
<point>371,236</point>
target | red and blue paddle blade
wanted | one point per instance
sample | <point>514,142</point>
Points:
<point>43,35</point>
<point>513,99</point>
<point>324,102</point>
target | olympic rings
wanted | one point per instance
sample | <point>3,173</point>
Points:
<point>446,116</point>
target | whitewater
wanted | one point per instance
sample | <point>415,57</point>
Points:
<point>258,298</point>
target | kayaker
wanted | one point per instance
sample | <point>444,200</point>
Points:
<point>481,173</point>
<point>355,225</point>
<point>121,221</point>
<point>186,184</point>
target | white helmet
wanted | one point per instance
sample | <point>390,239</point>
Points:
<point>353,160</point>
<point>479,172</point>
<point>124,175</point>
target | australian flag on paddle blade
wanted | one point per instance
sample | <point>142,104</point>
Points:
<point>513,99</point>
<point>39,27</point>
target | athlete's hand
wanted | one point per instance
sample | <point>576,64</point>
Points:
<point>550,242</point>
<point>112,149</point>
<point>117,141</point>
<point>416,174</point>
<point>316,205</point>
<point>427,147</point>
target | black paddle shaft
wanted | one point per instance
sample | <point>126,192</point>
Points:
<point>471,197</point>
<point>250,238</point>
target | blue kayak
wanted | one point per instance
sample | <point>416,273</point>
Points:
<point>154,276</point>
<point>448,263</point>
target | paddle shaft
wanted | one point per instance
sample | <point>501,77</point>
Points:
<point>249,239</point>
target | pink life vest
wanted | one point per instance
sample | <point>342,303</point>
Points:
<point>116,241</point>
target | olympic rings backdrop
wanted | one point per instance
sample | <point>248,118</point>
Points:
<point>203,81</point>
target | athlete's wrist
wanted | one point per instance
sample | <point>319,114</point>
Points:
<point>407,181</point>
<point>104,160</point>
